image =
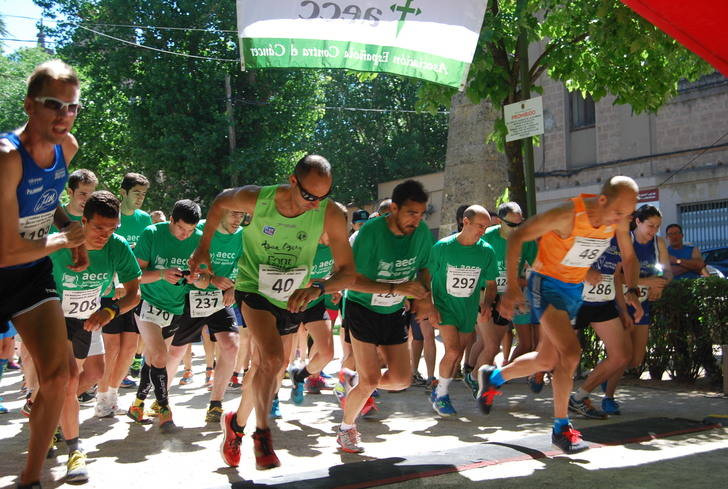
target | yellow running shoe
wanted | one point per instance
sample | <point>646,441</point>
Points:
<point>136,411</point>
<point>153,410</point>
<point>214,413</point>
<point>166,425</point>
<point>76,467</point>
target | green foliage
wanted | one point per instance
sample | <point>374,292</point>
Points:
<point>14,71</point>
<point>595,46</point>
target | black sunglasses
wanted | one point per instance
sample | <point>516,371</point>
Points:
<point>308,195</point>
<point>511,224</point>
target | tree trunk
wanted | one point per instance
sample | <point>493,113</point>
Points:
<point>516,177</point>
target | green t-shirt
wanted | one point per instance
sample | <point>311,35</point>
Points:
<point>225,251</point>
<point>116,257</point>
<point>528,255</point>
<point>323,267</point>
<point>162,250</point>
<point>72,217</point>
<point>382,256</point>
<point>132,226</point>
<point>458,274</point>
<point>279,250</point>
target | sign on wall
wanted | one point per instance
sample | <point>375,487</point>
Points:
<point>524,119</point>
<point>433,40</point>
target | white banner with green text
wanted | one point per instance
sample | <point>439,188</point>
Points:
<point>433,40</point>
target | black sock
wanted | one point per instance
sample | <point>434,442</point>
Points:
<point>215,404</point>
<point>235,426</point>
<point>145,382</point>
<point>159,380</point>
<point>301,375</point>
<point>32,485</point>
<point>236,374</point>
<point>73,444</point>
<point>138,355</point>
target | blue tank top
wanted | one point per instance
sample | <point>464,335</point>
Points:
<point>38,193</point>
<point>684,253</point>
<point>647,254</point>
<point>606,265</point>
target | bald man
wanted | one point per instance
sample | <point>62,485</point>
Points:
<point>460,265</point>
<point>572,237</point>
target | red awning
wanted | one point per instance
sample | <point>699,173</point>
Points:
<point>699,25</point>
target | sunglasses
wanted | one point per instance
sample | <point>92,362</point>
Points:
<point>511,224</point>
<point>308,195</point>
<point>59,106</point>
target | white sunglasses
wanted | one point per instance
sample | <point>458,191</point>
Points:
<point>59,106</point>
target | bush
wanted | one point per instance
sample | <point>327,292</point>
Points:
<point>687,321</point>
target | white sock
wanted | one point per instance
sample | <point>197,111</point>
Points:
<point>346,427</point>
<point>114,391</point>
<point>581,394</point>
<point>442,385</point>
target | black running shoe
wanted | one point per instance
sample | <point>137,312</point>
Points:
<point>569,440</point>
<point>486,390</point>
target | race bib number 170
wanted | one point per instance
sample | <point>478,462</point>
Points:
<point>153,314</point>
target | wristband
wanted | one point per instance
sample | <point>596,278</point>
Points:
<point>111,304</point>
<point>634,290</point>
<point>110,311</point>
<point>319,286</point>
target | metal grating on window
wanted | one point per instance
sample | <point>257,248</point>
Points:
<point>705,224</point>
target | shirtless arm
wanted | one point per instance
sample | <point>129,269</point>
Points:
<point>240,199</point>
<point>15,250</point>
<point>559,220</point>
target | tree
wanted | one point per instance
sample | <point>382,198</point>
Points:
<point>14,71</point>
<point>594,46</point>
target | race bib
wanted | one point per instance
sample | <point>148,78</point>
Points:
<point>280,284</point>
<point>387,299</point>
<point>153,314</point>
<point>585,251</point>
<point>204,303</point>
<point>36,227</point>
<point>80,304</point>
<point>461,282</point>
<point>501,281</point>
<point>601,292</point>
<point>644,289</point>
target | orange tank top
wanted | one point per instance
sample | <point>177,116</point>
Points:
<point>569,259</point>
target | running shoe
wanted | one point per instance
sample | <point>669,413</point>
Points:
<point>297,387</point>
<point>569,440</point>
<point>585,408</point>
<point>430,384</point>
<point>104,405</point>
<point>433,395</point>
<point>265,457</point>
<point>136,366</point>
<point>349,440</point>
<point>154,410</point>
<point>186,377</point>
<point>443,406</point>
<point>610,406</point>
<point>12,366</point>
<point>166,424</point>
<point>486,391</point>
<point>375,394</point>
<point>213,415</point>
<point>418,380</point>
<point>325,375</point>
<point>76,467</point>
<point>127,383</point>
<point>234,385</point>
<point>536,382</point>
<point>275,409</point>
<point>314,384</point>
<point>471,383</point>
<point>136,411</point>
<point>25,410</point>
<point>466,369</point>
<point>369,407</point>
<point>87,397</point>
<point>209,376</point>
<point>230,446</point>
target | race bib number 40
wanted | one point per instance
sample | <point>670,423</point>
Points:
<point>387,299</point>
<point>153,314</point>
<point>81,304</point>
<point>280,284</point>
<point>36,227</point>
<point>601,292</point>
<point>461,282</point>
<point>585,251</point>
<point>204,303</point>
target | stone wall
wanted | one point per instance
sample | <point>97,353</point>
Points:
<point>475,172</point>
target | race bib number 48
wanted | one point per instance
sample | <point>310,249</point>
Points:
<point>204,303</point>
<point>461,282</point>
<point>280,284</point>
<point>81,304</point>
<point>153,314</point>
<point>601,292</point>
<point>584,252</point>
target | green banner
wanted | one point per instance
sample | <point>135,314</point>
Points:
<point>314,53</point>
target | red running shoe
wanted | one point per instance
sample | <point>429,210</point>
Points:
<point>369,407</point>
<point>265,457</point>
<point>230,446</point>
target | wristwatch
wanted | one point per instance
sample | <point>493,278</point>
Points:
<point>679,261</point>
<point>320,286</point>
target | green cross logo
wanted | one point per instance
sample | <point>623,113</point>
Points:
<point>405,9</point>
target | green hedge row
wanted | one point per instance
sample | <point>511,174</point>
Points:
<point>687,321</point>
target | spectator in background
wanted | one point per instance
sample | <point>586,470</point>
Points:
<point>686,261</point>
<point>158,216</point>
<point>358,218</point>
